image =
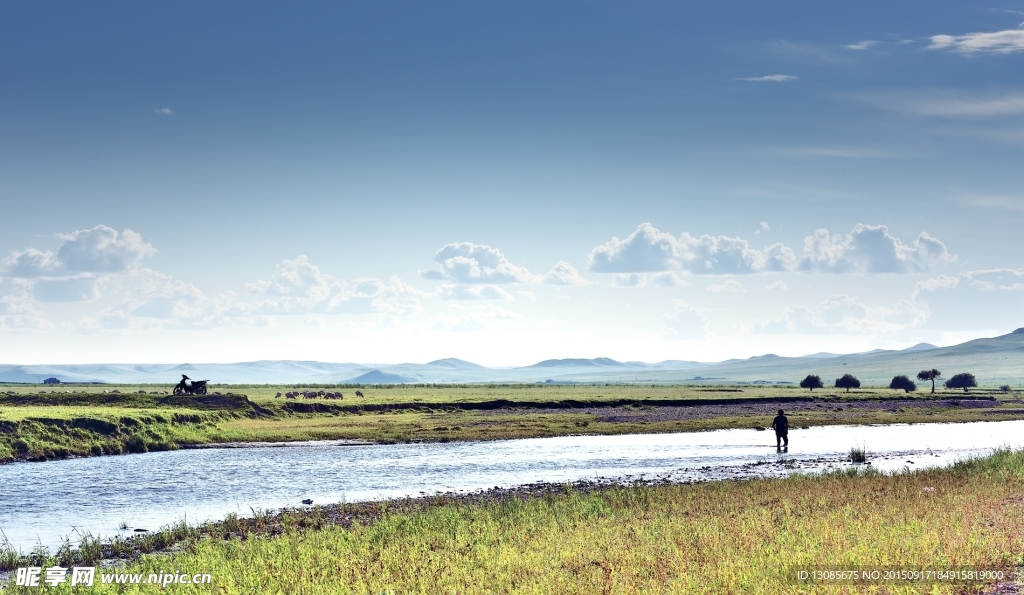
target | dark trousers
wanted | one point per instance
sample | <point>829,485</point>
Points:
<point>781,439</point>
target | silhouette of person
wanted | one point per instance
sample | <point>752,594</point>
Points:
<point>781,426</point>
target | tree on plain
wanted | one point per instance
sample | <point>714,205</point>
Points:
<point>964,381</point>
<point>848,381</point>
<point>929,375</point>
<point>903,383</point>
<point>812,382</point>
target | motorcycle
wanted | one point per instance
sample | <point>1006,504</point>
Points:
<point>187,386</point>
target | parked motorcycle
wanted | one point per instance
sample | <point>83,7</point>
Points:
<point>187,386</point>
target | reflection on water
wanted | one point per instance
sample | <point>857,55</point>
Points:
<point>42,502</point>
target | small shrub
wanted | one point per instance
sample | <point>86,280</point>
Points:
<point>858,454</point>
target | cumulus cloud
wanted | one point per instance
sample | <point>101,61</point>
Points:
<point>777,286</point>
<point>295,278</point>
<point>298,286</point>
<point>164,111</point>
<point>71,289</point>
<point>871,249</point>
<point>997,42</point>
<point>685,322</point>
<point>667,279</point>
<point>771,78</point>
<point>465,262</point>
<point>730,286</point>
<point>100,250</point>
<point>630,280</point>
<point>982,280</point>
<point>650,250</point>
<point>473,292</point>
<point>844,314</point>
<point>564,273</point>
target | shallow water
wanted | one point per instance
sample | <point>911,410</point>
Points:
<point>41,503</point>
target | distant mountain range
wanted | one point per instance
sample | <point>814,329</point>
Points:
<point>997,360</point>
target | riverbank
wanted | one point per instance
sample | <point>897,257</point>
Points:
<point>591,537</point>
<point>56,424</point>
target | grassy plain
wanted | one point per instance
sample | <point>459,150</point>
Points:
<point>92,420</point>
<point>721,537</point>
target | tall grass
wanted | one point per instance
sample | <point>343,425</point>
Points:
<point>725,537</point>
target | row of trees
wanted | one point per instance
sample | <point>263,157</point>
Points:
<point>848,381</point>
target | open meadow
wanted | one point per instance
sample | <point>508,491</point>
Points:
<point>90,420</point>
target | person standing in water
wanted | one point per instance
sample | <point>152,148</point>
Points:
<point>781,426</point>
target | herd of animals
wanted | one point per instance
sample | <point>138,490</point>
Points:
<point>314,395</point>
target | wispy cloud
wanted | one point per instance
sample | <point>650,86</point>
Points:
<point>164,111</point>
<point>838,152</point>
<point>946,104</point>
<point>1006,203</point>
<point>771,78</point>
<point>861,45</point>
<point>998,42</point>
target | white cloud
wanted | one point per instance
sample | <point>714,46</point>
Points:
<point>650,250</point>
<point>465,262</point>
<point>730,286</point>
<point>299,287</point>
<point>982,280</point>
<point>997,42</point>
<point>861,45</point>
<point>871,249</point>
<point>97,250</point>
<point>777,286</point>
<point>564,273</point>
<point>71,289</point>
<point>29,263</point>
<point>100,250</point>
<point>164,111</point>
<point>480,318</point>
<point>844,314</point>
<point>685,322</point>
<point>946,104</point>
<point>667,279</point>
<point>473,292</point>
<point>529,295</point>
<point>771,78</point>
<point>630,280</point>
<point>295,278</point>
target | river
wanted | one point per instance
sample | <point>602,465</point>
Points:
<point>41,503</point>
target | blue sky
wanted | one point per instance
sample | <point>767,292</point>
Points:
<point>506,182</point>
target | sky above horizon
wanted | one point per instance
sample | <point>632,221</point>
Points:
<point>507,182</point>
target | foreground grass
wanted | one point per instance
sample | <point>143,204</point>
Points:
<point>725,537</point>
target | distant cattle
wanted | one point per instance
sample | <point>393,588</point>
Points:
<point>290,396</point>
<point>359,393</point>
<point>277,396</point>
<point>334,396</point>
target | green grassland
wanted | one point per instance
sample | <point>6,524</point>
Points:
<point>52,423</point>
<point>719,537</point>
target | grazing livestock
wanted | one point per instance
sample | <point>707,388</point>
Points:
<point>321,394</point>
<point>290,396</point>
<point>359,393</point>
<point>277,396</point>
